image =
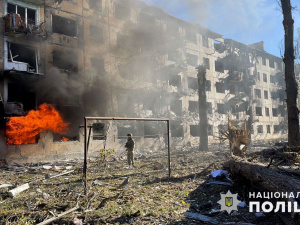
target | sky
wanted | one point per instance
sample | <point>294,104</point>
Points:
<point>246,21</point>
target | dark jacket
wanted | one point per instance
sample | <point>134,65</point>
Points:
<point>129,144</point>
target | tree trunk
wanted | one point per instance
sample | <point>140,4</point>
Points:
<point>263,177</point>
<point>291,84</point>
<point>203,146</point>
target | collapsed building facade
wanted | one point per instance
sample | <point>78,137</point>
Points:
<point>143,63</point>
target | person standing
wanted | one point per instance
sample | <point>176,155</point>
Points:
<point>129,148</point>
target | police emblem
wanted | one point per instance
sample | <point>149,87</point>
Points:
<point>228,201</point>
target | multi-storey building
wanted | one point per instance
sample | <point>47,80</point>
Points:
<point>111,58</point>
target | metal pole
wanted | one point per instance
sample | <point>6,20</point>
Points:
<point>169,154</point>
<point>121,118</point>
<point>88,141</point>
<point>85,156</point>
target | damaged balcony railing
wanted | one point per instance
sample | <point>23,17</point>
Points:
<point>14,23</point>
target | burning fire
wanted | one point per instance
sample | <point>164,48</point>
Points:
<point>24,129</point>
<point>65,139</point>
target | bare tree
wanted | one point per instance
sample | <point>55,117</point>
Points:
<point>203,146</point>
<point>291,84</point>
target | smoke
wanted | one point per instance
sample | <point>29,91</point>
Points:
<point>247,21</point>
<point>58,86</point>
<point>73,96</point>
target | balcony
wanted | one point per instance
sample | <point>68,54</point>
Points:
<point>235,76</point>
<point>16,26</point>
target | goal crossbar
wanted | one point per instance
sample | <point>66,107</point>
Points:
<point>86,119</point>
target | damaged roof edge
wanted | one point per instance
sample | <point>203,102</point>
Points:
<point>250,46</point>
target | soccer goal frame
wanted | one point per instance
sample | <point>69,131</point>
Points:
<point>86,139</point>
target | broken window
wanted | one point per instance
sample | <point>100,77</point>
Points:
<point>31,14</point>
<point>23,54</point>
<point>175,80</point>
<point>275,112</point>
<point>271,63</point>
<point>98,131</point>
<point>265,78</point>
<point>122,12</point>
<point>264,61</point>
<point>207,85</point>
<point>95,4</point>
<point>27,15</point>
<point>191,59</point>
<point>268,129</point>
<point>98,65</point>
<point>257,93</point>
<point>65,60</point>
<point>267,111</point>
<point>21,10</point>
<point>219,67</point>
<point>221,108</point>
<point>193,83</point>
<point>11,8</point>
<point>96,33</point>
<point>193,106</point>
<point>205,41</point>
<point>266,94</point>
<point>206,63</point>
<point>209,107</point>
<point>64,26</point>
<point>17,93</point>
<point>176,107</point>
<point>195,130</point>
<point>191,36</point>
<point>220,87</point>
<point>258,111</point>
<point>260,129</point>
<point>276,129</point>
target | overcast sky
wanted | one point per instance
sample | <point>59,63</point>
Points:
<point>246,21</point>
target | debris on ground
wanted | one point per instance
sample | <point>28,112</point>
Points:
<point>141,195</point>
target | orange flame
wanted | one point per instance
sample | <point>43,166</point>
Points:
<point>65,139</point>
<point>24,129</point>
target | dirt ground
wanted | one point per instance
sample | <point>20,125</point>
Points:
<point>120,195</point>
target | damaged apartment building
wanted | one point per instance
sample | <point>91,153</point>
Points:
<point>146,62</point>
